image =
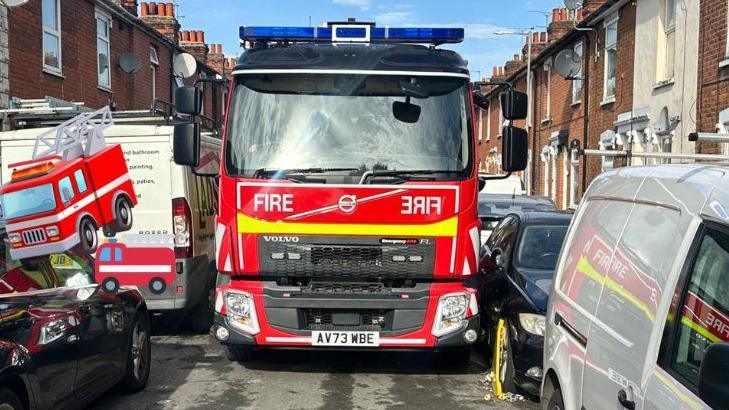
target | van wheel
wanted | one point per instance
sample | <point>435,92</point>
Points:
<point>157,285</point>
<point>503,363</point>
<point>9,400</point>
<point>556,402</point>
<point>238,353</point>
<point>123,212</point>
<point>89,238</point>
<point>110,285</point>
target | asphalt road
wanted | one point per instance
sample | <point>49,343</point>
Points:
<point>191,371</point>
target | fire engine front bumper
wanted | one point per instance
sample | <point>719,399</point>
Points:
<point>43,249</point>
<point>402,318</point>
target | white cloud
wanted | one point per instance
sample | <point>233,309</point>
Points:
<point>393,18</point>
<point>362,4</point>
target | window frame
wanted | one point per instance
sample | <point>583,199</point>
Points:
<point>100,15</point>
<point>668,31</point>
<point>669,338</point>
<point>70,185</point>
<point>82,179</point>
<point>488,123</point>
<point>548,90</point>
<point>55,33</point>
<point>577,92</point>
<point>613,20</point>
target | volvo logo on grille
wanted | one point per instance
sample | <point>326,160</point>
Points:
<point>347,203</point>
<point>281,238</point>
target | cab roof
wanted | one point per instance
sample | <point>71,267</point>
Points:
<point>377,57</point>
<point>691,189</point>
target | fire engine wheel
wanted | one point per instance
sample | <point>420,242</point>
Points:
<point>157,285</point>
<point>238,353</point>
<point>111,285</point>
<point>123,211</point>
<point>87,234</point>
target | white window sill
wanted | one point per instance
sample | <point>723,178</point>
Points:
<point>54,73</point>
<point>665,83</point>
<point>546,120</point>
<point>104,88</point>
<point>724,63</point>
<point>607,101</point>
<point>576,103</point>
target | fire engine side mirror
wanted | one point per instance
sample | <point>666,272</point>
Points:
<point>480,101</point>
<point>514,105</point>
<point>515,149</point>
<point>186,144</point>
<point>188,100</point>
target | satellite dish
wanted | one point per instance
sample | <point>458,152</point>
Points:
<point>184,65</point>
<point>665,123</point>
<point>130,63</point>
<point>568,64</point>
<point>13,3</point>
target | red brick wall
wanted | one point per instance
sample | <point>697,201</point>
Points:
<point>713,81</point>
<point>78,42</point>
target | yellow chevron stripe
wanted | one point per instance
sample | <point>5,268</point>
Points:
<point>246,224</point>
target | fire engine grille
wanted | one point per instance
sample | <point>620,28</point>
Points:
<point>33,236</point>
<point>350,257</point>
<point>352,288</point>
<point>328,319</point>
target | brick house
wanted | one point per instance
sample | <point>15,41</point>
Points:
<point>583,111</point>
<point>713,73</point>
<point>72,50</point>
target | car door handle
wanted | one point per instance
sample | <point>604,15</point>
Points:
<point>72,339</point>
<point>623,399</point>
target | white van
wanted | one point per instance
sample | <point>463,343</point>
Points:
<point>165,191</point>
<point>638,317</point>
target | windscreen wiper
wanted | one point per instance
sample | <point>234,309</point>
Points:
<point>403,175</point>
<point>262,173</point>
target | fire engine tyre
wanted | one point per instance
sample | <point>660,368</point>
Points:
<point>238,353</point>
<point>503,363</point>
<point>157,285</point>
<point>124,217</point>
<point>110,285</point>
<point>88,236</point>
<point>10,400</point>
<point>139,356</point>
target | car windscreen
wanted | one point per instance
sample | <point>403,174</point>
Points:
<point>28,201</point>
<point>539,246</point>
<point>356,122</point>
<point>503,207</point>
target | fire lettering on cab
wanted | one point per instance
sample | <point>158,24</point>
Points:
<point>273,202</point>
<point>421,205</point>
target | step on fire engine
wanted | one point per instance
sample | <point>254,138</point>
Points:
<point>73,185</point>
<point>348,213</point>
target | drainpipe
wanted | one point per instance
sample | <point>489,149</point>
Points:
<point>586,109</point>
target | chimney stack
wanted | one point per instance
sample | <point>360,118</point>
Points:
<point>539,43</point>
<point>560,25</point>
<point>128,5</point>
<point>216,58</point>
<point>161,17</point>
<point>193,42</point>
<point>590,6</point>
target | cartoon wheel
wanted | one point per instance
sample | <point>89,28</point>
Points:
<point>123,212</point>
<point>87,234</point>
<point>111,285</point>
<point>157,285</point>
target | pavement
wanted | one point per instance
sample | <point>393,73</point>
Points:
<point>190,371</point>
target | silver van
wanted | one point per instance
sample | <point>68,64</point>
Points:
<point>638,316</point>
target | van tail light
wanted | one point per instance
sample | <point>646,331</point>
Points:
<point>182,227</point>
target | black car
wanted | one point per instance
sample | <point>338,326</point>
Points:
<point>64,341</point>
<point>517,265</point>
<point>493,207</point>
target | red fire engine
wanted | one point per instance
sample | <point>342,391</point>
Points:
<point>73,186</point>
<point>119,265</point>
<point>348,211</point>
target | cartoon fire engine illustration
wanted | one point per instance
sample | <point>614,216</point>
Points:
<point>73,185</point>
<point>120,265</point>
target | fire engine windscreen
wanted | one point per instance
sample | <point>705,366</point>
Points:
<point>28,201</point>
<point>330,121</point>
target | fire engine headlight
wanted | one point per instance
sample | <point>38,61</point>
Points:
<point>533,324</point>
<point>14,237</point>
<point>451,313</point>
<point>241,311</point>
<point>52,231</point>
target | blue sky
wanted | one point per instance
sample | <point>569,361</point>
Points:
<point>483,49</point>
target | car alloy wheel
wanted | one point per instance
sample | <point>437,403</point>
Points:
<point>140,352</point>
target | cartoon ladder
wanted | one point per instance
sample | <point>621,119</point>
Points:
<point>81,136</point>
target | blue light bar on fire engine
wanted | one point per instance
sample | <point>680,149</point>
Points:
<point>352,33</point>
